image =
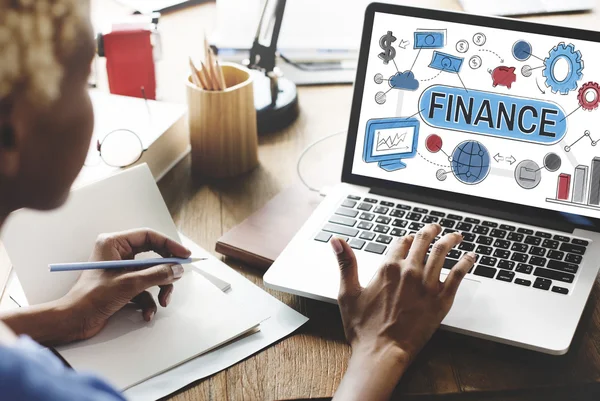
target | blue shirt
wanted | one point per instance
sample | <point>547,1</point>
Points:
<point>31,372</point>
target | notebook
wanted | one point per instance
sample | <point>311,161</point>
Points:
<point>129,350</point>
<point>259,239</point>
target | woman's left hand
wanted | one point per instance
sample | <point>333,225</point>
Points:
<point>98,294</point>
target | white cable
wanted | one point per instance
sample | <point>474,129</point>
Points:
<point>305,151</point>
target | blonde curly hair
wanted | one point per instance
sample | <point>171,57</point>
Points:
<point>36,37</point>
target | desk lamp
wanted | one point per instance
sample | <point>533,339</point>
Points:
<point>275,97</point>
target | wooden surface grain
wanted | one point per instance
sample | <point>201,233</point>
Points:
<point>310,364</point>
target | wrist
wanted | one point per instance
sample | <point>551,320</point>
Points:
<point>51,323</point>
<point>373,372</point>
<point>383,355</point>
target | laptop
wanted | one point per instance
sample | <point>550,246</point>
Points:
<point>529,7</point>
<point>487,127</point>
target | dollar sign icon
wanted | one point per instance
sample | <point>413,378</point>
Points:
<point>479,39</point>
<point>389,52</point>
<point>462,46</point>
<point>475,62</point>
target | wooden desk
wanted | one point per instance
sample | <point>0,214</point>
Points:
<point>310,364</point>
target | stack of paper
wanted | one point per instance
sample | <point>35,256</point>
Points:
<point>130,351</point>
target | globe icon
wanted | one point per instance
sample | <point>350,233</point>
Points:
<point>470,162</point>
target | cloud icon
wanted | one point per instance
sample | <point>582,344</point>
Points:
<point>405,81</point>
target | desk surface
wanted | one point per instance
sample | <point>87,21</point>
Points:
<point>309,364</point>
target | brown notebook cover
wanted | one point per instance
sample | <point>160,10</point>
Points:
<point>259,239</point>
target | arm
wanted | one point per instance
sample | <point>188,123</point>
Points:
<point>50,323</point>
<point>99,294</point>
<point>388,322</point>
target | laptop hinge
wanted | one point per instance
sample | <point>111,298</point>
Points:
<point>556,225</point>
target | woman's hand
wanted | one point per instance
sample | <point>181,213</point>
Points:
<point>388,322</point>
<point>98,294</point>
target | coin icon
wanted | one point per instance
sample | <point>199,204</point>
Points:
<point>475,62</point>
<point>479,39</point>
<point>462,46</point>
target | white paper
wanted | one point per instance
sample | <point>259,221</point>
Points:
<point>145,208</point>
<point>5,269</point>
<point>34,239</point>
<point>283,321</point>
<point>307,24</point>
<point>129,350</point>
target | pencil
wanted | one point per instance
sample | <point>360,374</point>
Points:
<point>207,76</point>
<point>195,77</point>
<point>199,76</point>
<point>221,76</point>
<point>212,70</point>
<point>121,264</point>
<point>209,59</point>
<point>202,79</point>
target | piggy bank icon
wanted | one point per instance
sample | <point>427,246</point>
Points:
<point>503,76</point>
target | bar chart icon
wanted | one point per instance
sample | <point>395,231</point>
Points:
<point>585,189</point>
<point>595,182</point>
<point>563,187</point>
<point>580,183</point>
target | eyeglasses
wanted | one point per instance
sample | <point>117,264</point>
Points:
<point>119,148</point>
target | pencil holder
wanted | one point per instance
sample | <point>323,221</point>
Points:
<point>223,131</point>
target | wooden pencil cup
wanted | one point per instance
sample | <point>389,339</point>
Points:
<point>223,130</point>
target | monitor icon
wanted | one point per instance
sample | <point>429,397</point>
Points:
<point>389,140</point>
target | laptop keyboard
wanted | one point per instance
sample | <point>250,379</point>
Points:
<point>505,252</point>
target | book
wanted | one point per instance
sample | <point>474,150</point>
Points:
<point>259,239</point>
<point>161,126</point>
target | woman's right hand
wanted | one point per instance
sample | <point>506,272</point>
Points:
<point>388,322</point>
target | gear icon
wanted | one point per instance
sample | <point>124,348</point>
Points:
<point>573,57</point>
<point>586,101</point>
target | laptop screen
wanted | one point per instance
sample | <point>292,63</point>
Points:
<point>493,113</point>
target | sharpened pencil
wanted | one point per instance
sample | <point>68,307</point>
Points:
<point>121,264</point>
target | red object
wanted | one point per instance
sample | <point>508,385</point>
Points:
<point>564,185</point>
<point>433,143</point>
<point>130,63</point>
<point>504,76</point>
<point>583,91</point>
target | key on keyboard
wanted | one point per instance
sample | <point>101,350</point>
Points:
<point>505,252</point>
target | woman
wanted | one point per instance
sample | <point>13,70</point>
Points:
<point>46,122</point>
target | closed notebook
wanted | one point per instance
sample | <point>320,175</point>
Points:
<point>129,350</point>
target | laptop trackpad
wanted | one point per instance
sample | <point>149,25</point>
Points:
<point>462,308</point>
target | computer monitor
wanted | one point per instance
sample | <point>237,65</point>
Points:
<point>478,111</point>
<point>389,140</point>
